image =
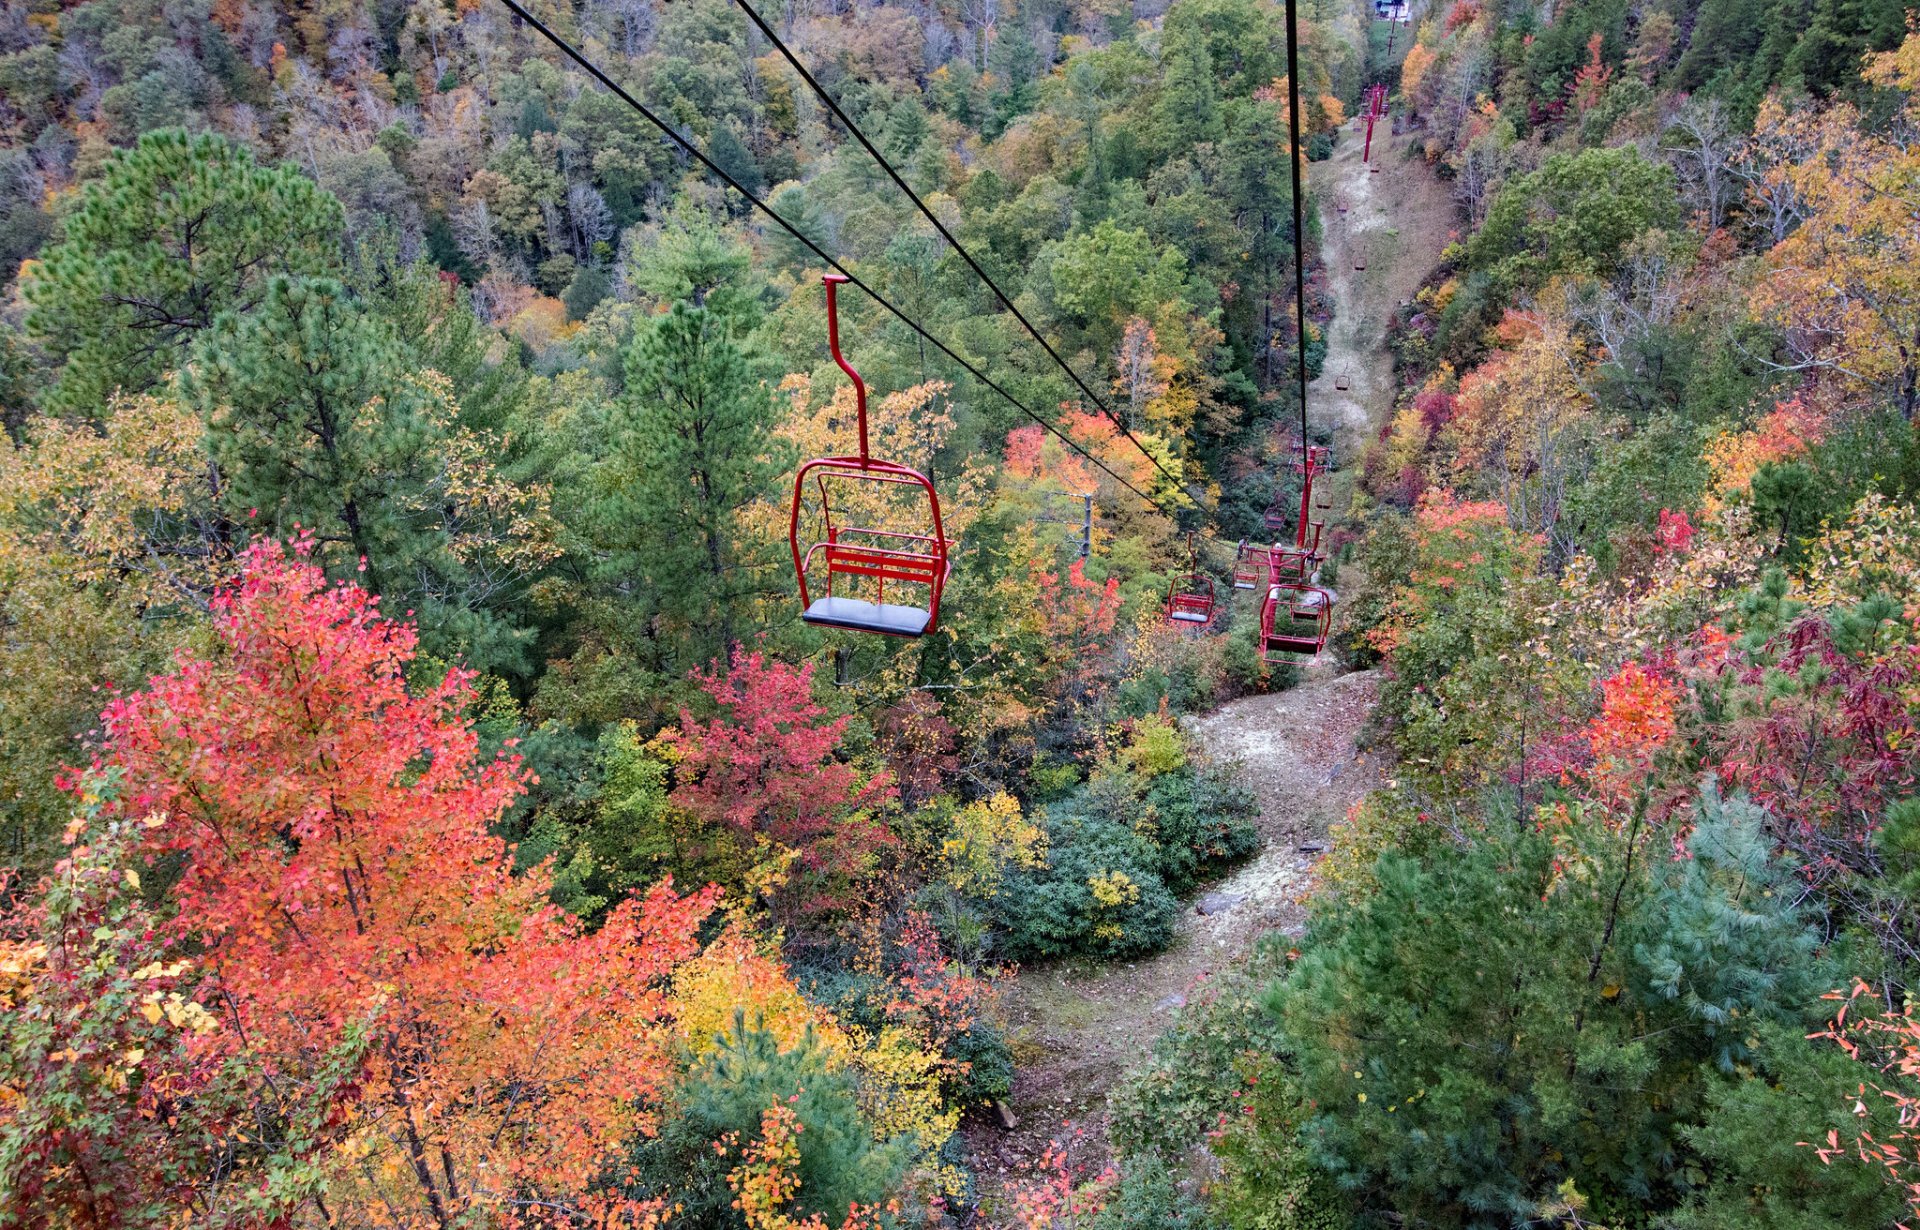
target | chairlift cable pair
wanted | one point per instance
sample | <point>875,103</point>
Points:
<point>673,134</point>
<point>952,240</point>
<point>923,558</point>
<point>876,555</point>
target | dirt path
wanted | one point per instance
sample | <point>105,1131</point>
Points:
<point>1078,1027</point>
<point>1398,219</point>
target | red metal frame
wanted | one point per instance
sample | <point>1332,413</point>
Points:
<point>1190,596</point>
<point>1297,613</point>
<point>882,555</point>
<point>1251,565</point>
<point>1376,108</point>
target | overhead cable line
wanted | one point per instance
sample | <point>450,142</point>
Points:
<point>846,122</point>
<point>1299,223</point>
<point>593,70</point>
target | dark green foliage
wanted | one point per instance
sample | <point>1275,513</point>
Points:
<point>982,1070</point>
<point>1505,1028</point>
<point>1120,851</point>
<point>589,287</point>
<point>1784,493</point>
<point>1719,939</point>
<point>1152,1196</point>
<point>176,231</point>
<point>727,1092</point>
<point>1199,1066</point>
<point>1053,912</point>
<point>320,419</point>
<point>987,1074</point>
<point>1200,822</point>
<point>24,225</point>
<point>1753,1143</point>
<point>1633,479</point>
<point>1740,49</point>
<point>1271,1182</point>
<point>687,447</point>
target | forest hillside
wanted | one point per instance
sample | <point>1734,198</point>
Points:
<point>1394,528</point>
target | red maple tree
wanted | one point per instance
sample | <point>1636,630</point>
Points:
<point>767,767</point>
<point>365,934</point>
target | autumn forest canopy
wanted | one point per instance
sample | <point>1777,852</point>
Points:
<point>1489,801</point>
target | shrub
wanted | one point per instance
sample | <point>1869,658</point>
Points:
<point>1761,1178</point>
<point>727,1093</point>
<point>1470,1051</point>
<point>1098,894</point>
<point>1150,1196</point>
<point>1271,1182</point>
<point>1192,1081</point>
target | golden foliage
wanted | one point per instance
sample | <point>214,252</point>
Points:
<point>990,835</point>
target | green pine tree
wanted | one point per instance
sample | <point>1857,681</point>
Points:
<point>1187,112</point>
<point>689,444</point>
<point>1508,1025</point>
<point>318,417</point>
<point>176,231</point>
<point>727,1092</point>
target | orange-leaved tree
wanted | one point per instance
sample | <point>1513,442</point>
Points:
<point>360,927</point>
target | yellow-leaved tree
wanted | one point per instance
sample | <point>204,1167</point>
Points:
<point>1844,286</point>
<point>109,550</point>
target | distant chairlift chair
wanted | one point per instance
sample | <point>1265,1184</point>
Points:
<point>1251,566</point>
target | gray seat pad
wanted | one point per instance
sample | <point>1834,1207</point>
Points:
<point>860,615</point>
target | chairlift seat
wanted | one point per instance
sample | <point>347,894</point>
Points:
<point>865,559</point>
<point>859,615</point>
<point>1190,598</point>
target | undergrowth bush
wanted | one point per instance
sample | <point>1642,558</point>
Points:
<point>1191,1084</point>
<point>727,1093</point>
<point>1149,825</point>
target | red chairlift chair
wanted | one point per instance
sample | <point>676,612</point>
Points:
<point>1251,565</point>
<point>1190,596</point>
<point>1294,621</point>
<point>1298,612</point>
<point>857,562</point>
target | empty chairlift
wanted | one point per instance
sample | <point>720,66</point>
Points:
<point>1251,566</point>
<point>1190,595</point>
<point>1297,613</point>
<point>903,544</point>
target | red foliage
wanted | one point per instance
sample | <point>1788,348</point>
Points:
<point>918,744</point>
<point>362,926</point>
<point>767,767</point>
<point>1463,13</point>
<point>1676,532</point>
<point>1826,755</point>
<point>1077,616</point>
<point>1589,85</point>
<point>1436,408</point>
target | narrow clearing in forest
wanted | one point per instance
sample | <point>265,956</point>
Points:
<point>1079,1027</point>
